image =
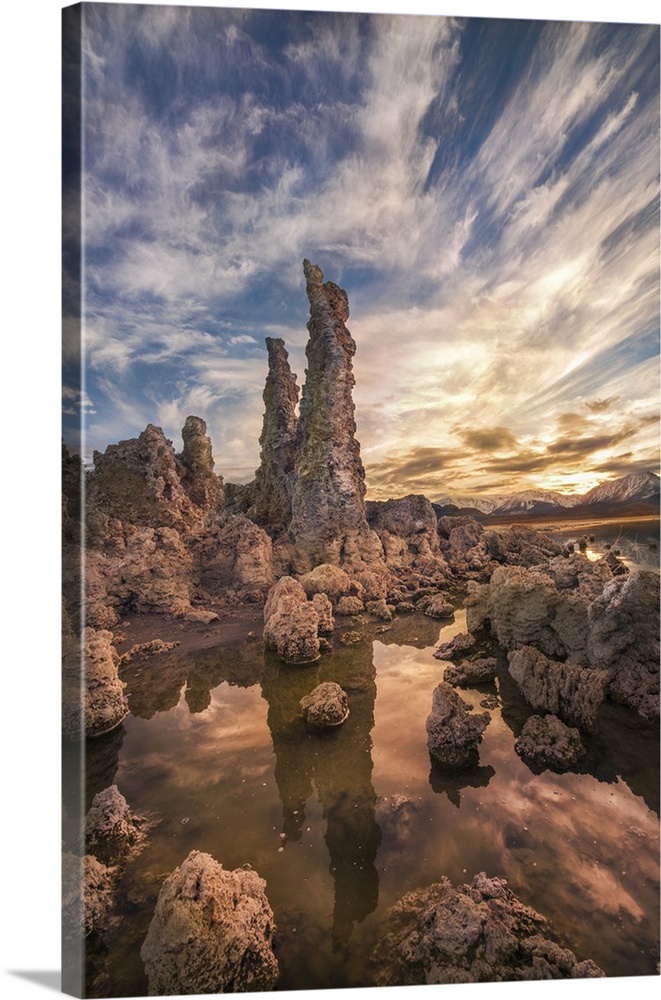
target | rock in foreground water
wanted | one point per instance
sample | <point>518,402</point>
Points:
<point>474,934</point>
<point>211,932</point>
<point>548,742</point>
<point>326,706</point>
<point>453,733</point>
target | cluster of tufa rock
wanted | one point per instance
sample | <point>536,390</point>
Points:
<point>476,933</point>
<point>111,834</point>
<point>575,635</point>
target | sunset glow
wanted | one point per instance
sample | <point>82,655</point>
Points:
<point>485,191</point>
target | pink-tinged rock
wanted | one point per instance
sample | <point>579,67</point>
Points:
<point>211,932</point>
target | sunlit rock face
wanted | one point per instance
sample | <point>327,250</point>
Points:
<point>477,933</point>
<point>408,530</point>
<point>291,622</point>
<point>273,483</point>
<point>198,479</point>
<point>140,481</point>
<point>211,932</point>
<point>624,639</point>
<point>328,500</point>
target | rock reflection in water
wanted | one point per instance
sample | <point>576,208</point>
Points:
<point>154,684</point>
<point>452,784</point>
<point>337,765</point>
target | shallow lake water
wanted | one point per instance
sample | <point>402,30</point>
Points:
<point>341,824</point>
<point>636,540</point>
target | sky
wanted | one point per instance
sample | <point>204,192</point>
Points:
<point>486,190</point>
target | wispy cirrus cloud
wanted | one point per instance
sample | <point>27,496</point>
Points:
<point>488,198</point>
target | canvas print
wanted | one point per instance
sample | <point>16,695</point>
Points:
<point>360,500</point>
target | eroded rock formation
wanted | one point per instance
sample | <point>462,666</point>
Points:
<point>87,895</point>
<point>408,531</point>
<point>328,501</point>
<point>453,733</point>
<point>211,932</point>
<point>272,488</point>
<point>198,479</point>
<point>93,699</point>
<point>477,933</point>
<point>326,706</point>
<point>548,742</point>
<point>572,692</point>
<point>624,639</point>
<point>112,831</point>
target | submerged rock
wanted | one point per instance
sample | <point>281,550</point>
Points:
<point>477,933</point>
<point>469,672</point>
<point>453,733</point>
<point>574,693</point>
<point>326,706</point>
<point>211,932</point>
<point>460,644</point>
<point>548,742</point>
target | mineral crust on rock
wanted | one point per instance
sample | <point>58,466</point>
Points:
<point>330,580</point>
<point>572,692</point>
<point>624,640</point>
<point>326,706</point>
<point>211,932</point>
<point>324,610</point>
<point>349,606</point>
<point>408,530</point>
<point>469,672</point>
<point>87,895</point>
<point>292,623</point>
<point>453,733</point>
<point>140,481</point>
<point>93,699</point>
<point>457,646</point>
<point>272,488</point>
<point>439,607</point>
<point>548,742</point>
<point>473,934</point>
<point>328,522</point>
<point>112,832</point>
<point>198,479</point>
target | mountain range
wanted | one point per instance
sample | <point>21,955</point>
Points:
<point>638,488</point>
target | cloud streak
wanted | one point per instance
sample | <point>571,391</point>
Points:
<point>489,199</point>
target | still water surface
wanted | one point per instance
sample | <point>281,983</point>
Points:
<point>341,824</point>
